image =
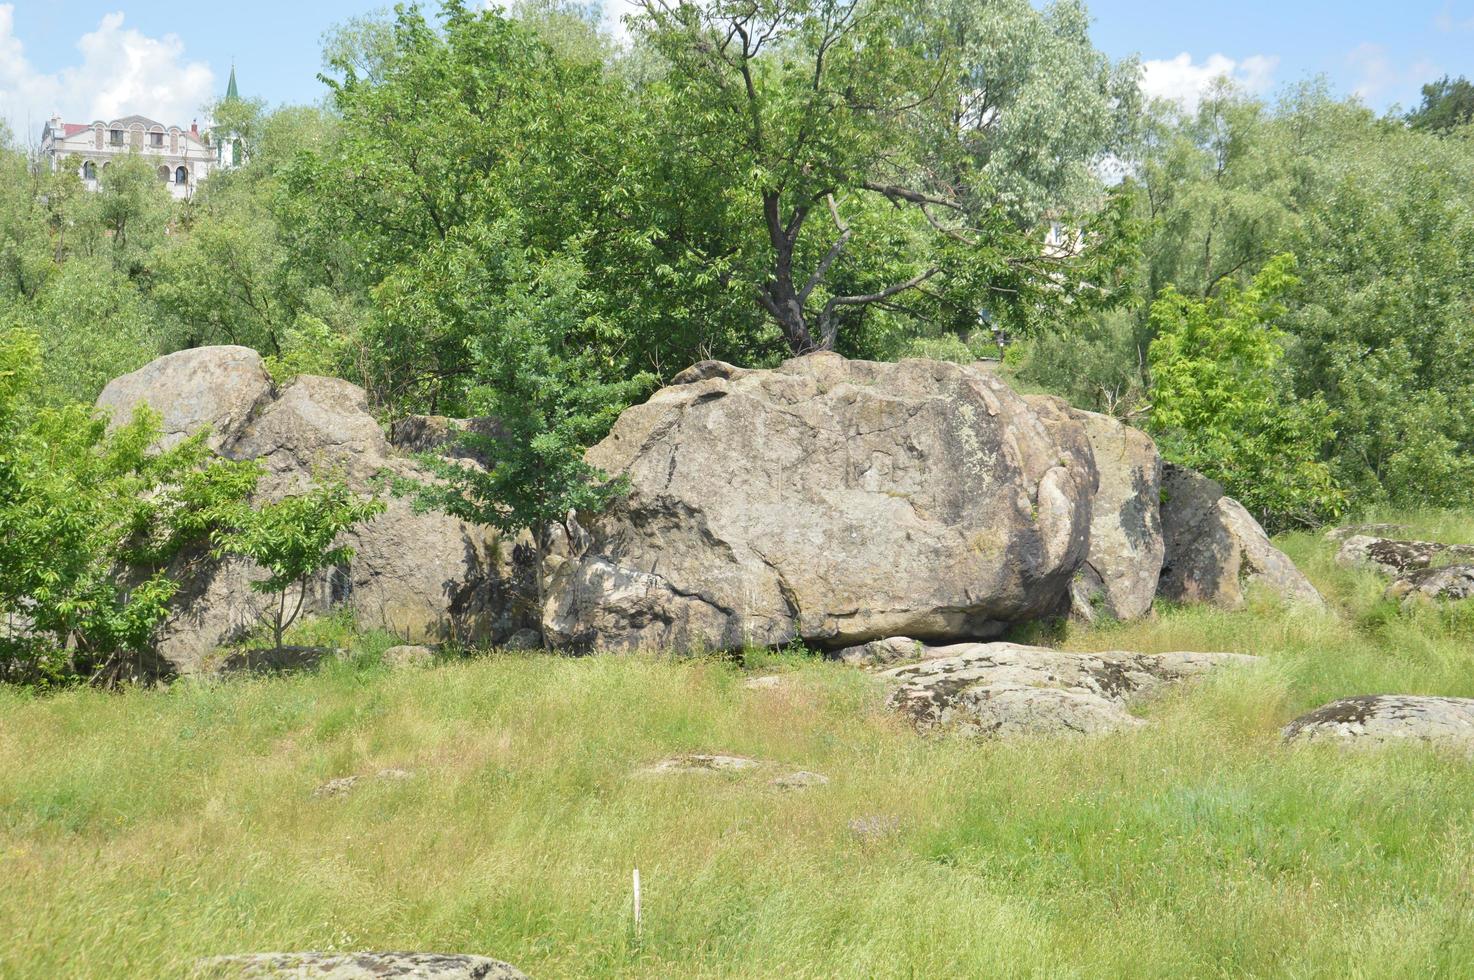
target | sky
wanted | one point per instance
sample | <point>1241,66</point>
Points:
<point>90,60</point>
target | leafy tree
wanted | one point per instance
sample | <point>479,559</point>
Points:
<point>89,520</point>
<point>293,539</point>
<point>545,392</point>
<point>1222,401</point>
<point>1447,104</point>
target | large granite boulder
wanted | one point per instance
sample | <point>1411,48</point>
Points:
<point>1393,557</point>
<point>356,966</point>
<point>828,501</point>
<point>1215,549</point>
<point>1005,689</point>
<point>1389,719</point>
<point>222,388</point>
<point>425,576</point>
<point>1119,577</point>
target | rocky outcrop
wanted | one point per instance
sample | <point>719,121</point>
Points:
<point>1445,582</point>
<point>356,966</point>
<point>1118,579</point>
<point>1391,557</point>
<point>423,576</point>
<point>1215,549</point>
<point>1004,689</point>
<point>828,501</point>
<point>219,388</point>
<point>1383,719</point>
<point>1374,530</point>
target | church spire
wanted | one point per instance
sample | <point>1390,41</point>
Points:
<point>231,92</point>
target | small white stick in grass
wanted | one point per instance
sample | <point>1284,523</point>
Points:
<point>637,905</point>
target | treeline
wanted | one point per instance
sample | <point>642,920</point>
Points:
<point>508,213</point>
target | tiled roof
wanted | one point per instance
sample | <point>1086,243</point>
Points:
<point>142,120</point>
<point>72,129</point>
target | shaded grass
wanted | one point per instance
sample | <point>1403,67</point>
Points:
<point>141,830</point>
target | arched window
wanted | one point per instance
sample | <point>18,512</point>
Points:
<point>181,177</point>
<point>89,170</point>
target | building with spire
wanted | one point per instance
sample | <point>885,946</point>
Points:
<point>183,158</point>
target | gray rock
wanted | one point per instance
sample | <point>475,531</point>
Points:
<point>427,577</point>
<point>408,655</point>
<point>1215,549</point>
<point>828,501</point>
<point>222,388</point>
<point>1119,577</point>
<point>883,653</point>
<point>701,763</point>
<point>1444,582</point>
<point>270,660</point>
<point>356,966</point>
<point>524,639</point>
<point>1374,530</point>
<point>1395,557</point>
<point>343,784</point>
<point>802,779</point>
<point>1383,719</point>
<point>1005,689</point>
<point>875,827</point>
<point>767,683</point>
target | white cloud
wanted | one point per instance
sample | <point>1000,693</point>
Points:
<point>1380,79</point>
<point>1185,81</point>
<point>121,72</point>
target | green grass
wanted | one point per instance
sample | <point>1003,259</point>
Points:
<point>141,830</point>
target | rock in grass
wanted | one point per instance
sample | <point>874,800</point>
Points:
<point>1215,548</point>
<point>1374,530</point>
<point>1007,690</point>
<point>408,655</point>
<point>1446,582</point>
<point>803,779</point>
<point>875,826</point>
<point>882,653</point>
<point>701,763</point>
<point>357,966</point>
<point>343,784</point>
<point>1382,719</point>
<point>1396,557</point>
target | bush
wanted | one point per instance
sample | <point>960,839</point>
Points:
<point>89,521</point>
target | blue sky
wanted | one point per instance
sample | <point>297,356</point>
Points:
<point>89,59</point>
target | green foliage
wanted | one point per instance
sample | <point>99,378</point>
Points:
<point>1222,401</point>
<point>89,522</point>
<point>1447,104</point>
<point>292,539</point>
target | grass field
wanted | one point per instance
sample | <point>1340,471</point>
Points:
<point>141,830</point>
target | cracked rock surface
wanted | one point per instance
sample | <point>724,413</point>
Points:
<point>425,576</point>
<point>357,966</point>
<point>829,501</point>
<point>1006,689</point>
<point>1444,582</point>
<point>1393,557</point>
<point>1381,719</point>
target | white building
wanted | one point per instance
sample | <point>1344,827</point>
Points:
<point>183,158</point>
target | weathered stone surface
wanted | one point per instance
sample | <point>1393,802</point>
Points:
<point>357,966</point>
<point>423,576</point>
<point>802,779</point>
<point>1005,689</point>
<point>1383,719</point>
<point>408,655</point>
<point>343,784</point>
<point>1445,582</point>
<point>524,639</point>
<point>1215,549</point>
<point>830,501</point>
<point>1119,577</point>
<point>883,653</point>
<point>439,434</point>
<point>1395,557</point>
<point>1373,530</point>
<point>702,763</point>
<point>219,387</point>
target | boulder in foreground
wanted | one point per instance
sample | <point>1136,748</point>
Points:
<point>357,966</point>
<point>1383,719</point>
<point>1005,689</point>
<point>1444,582</point>
<point>1215,549</point>
<point>1392,557</point>
<point>828,501</point>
